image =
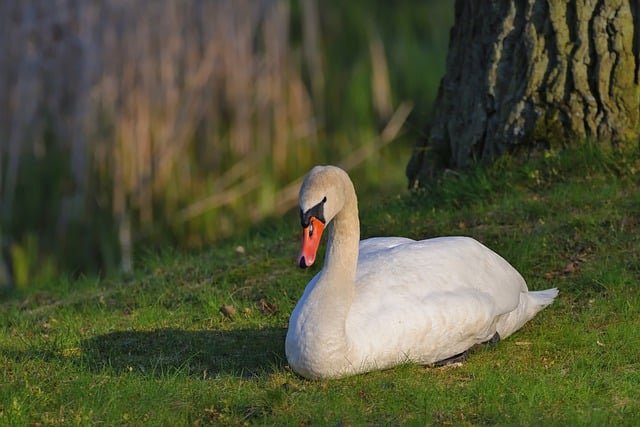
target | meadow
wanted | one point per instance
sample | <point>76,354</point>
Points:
<point>197,337</point>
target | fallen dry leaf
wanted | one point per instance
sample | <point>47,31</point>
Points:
<point>228,310</point>
<point>266,307</point>
<point>569,268</point>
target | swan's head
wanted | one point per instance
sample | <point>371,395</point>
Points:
<point>322,196</point>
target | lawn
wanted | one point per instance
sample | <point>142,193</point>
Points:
<point>198,338</point>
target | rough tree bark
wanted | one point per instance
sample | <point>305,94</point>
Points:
<point>532,73</point>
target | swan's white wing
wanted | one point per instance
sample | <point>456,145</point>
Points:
<point>372,245</point>
<point>435,298</point>
<point>405,328</point>
<point>435,265</point>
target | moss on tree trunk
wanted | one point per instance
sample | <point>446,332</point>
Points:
<point>523,74</point>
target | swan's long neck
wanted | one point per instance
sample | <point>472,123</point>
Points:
<point>335,289</point>
<point>343,242</point>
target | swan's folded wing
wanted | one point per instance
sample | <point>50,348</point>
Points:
<point>403,327</point>
<point>373,245</point>
<point>448,264</point>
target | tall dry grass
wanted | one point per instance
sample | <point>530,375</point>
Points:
<point>164,117</point>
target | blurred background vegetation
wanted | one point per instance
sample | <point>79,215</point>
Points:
<point>126,125</point>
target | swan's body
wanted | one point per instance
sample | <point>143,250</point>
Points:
<point>386,301</point>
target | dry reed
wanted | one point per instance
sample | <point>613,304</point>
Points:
<point>166,110</point>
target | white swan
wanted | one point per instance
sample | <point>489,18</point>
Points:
<point>385,301</point>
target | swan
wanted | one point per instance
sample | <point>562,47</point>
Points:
<point>386,301</point>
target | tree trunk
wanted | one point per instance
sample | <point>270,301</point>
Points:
<point>524,74</point>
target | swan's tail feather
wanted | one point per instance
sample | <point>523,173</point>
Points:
<point>541,299</point>
<point>530,304</point>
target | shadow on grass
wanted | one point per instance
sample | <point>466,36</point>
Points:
<point>240,353</point>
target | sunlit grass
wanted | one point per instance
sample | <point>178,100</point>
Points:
<point>154,348</point>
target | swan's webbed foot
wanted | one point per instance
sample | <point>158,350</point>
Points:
<point>458,358</point>
<point>491,342</point>
<point>462,357</point>
<point>495,339</point>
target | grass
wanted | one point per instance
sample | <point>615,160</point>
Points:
<point>154,347</point>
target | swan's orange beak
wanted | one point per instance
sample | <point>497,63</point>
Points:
<point>311,235</point>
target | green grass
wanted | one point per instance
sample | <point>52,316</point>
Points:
<point>154,347</point>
